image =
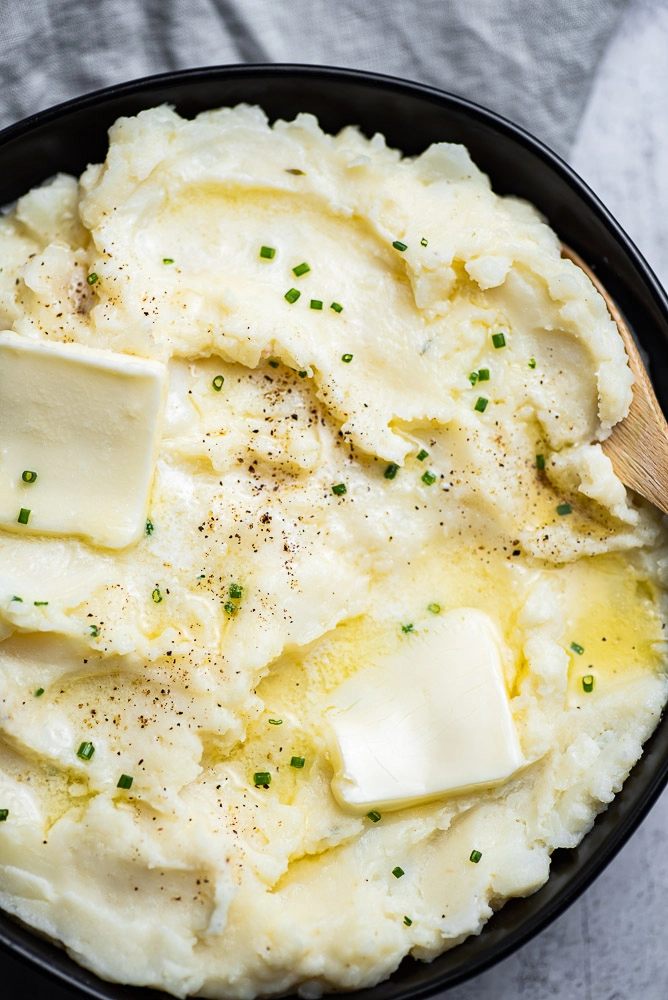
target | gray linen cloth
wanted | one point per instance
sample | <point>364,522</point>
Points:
<point>531,60</point>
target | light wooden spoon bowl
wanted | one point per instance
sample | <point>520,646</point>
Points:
<point>638,444</point>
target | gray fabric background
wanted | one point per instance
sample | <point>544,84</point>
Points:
<point>531,60</point>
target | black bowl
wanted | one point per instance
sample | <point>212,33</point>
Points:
<point>411,116</point>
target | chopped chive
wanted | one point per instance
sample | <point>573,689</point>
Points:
<point>92,278</point>
<point>475,857</point>
<point>236,590</point>
<point>421,455</point>
<point>337,307</point>
<point>564,508</point>
<point>95,631</point>
<point>16,598</point>
<point>149,526</point>
<point>300,269</point>
<point>408,628</point>
<point>292,295</point>
<point>473,378</point>
<point>498,340</point>
<point>4,813</point>
<point>398,872</point>
<point>302,374</point>
<point>483,375</point>
<point>229,608</point>
<point>588,683</point>
<point>24,516</point>
<point>434,608</point>
<point>297,762</point>
<point>532,362</point>
<point>275,722</point>
<point>481,404</point>
<point>268,253</point>
<point>296,171</point>
<point>398,245</point>
<point>540,462</point>
<point>374,816</point>
<point>424,242</point>
<point>428,478</point>
<point>262,778</point>
<point>316,303</point>
<point>273,364</point>
<point>29,476</point>
<point>391,470</point>
<point>218,383</point>
<point>339,489</point>
<point>407,921</point>
<point>346,358</point>
<point>39,692</point>
<point>85,751</point>
<point>40,604</point>
<point>202,576</point>
<point>167,260</point>
<point>125,781</point>
<point>577,648</point>
<point>156,595</point>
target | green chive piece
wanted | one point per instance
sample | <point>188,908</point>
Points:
<point>316,303</point>
<point>268,253</point>
<point>262,778</point>
<point>236,590</point>
<point>473,378</point>
<point>540,462</point>
<point>125,781</point>
<point>218,383</point>
<point>40,604</point>
<point>156,595</point>
<point>428,478</point>
<point>39,692</point>
<point>339,490</point>
<point>421,455</point>
<point>483,375</point>
<point>408,628</point>
<point>19,599</point>
<point>24,516</point>
<point>150,527</point>
<point>481,404</point>
<point>577,648</point>
<point>398,872</point>
<point>273,364</point>
<point>424,242</point>
<point>374,816</point>
<point>292,295</point>
<point>296,171</point>
<point>391,470</point>
<point>346,358</point>
<point>297,762</point>
<point>475,857</point>
<point>532,362</point>
<point>588,683</point>
<point>28,476</point>
<point>85,751</point>
<point>337,307</point>
<point>398,245</point>
<point>434,608</point>
<point>167,260</point>
<point>92,278</point>
<point>95,631</point>
<point>302,374</point>
<point>4,813</point>
<point>498,340</point>
<point>300,269</point>
<point>275,722</point>
<point>229,608</point>
<point>564,508</point>
<point>408,921</point>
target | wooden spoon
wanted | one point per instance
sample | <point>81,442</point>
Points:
<point>638,444</point>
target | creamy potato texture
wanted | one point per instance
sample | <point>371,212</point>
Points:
<point>389,415</point>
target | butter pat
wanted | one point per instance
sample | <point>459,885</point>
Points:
<point>84,425</point>
<point>433,718</point>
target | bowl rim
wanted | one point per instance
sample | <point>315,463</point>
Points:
<point>29,945</point>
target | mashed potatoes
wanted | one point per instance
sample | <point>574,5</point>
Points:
<point>363,454</point>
